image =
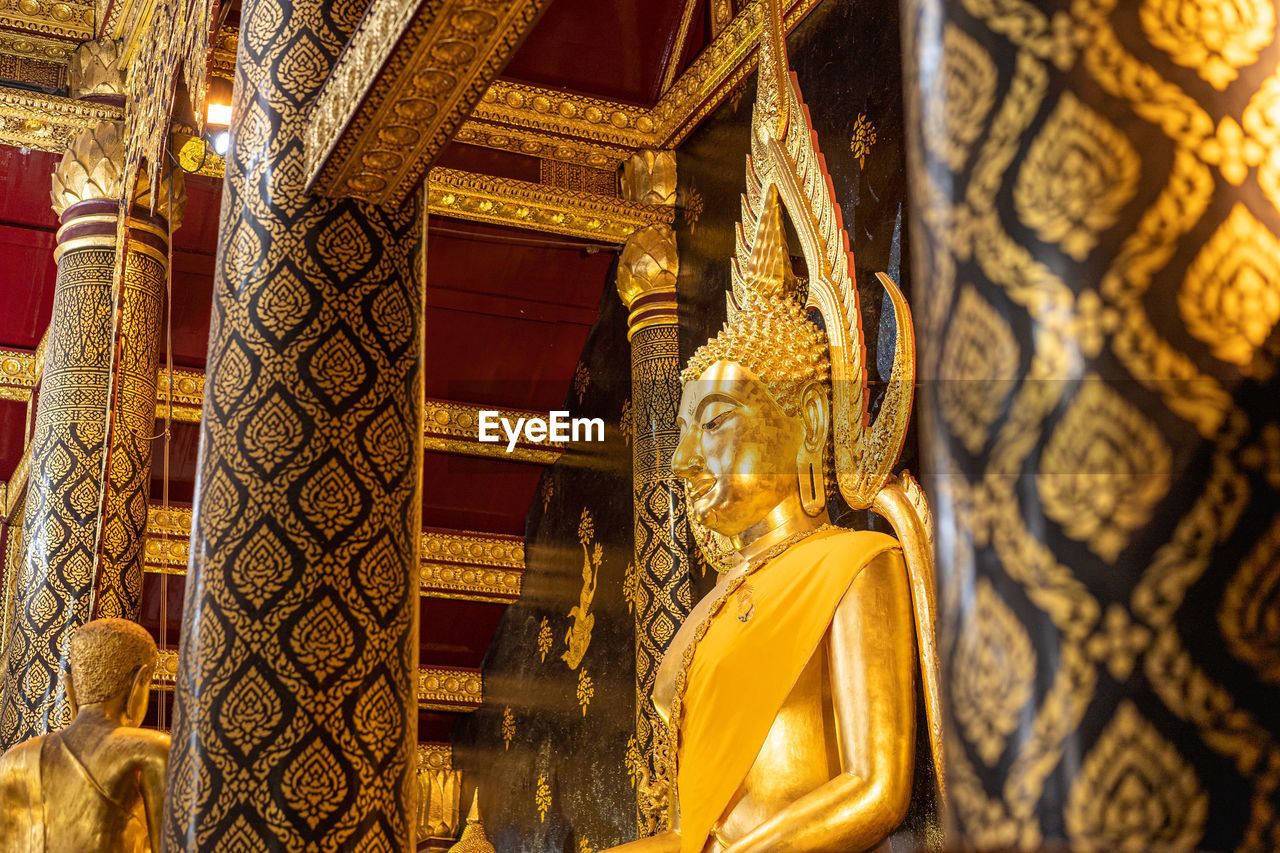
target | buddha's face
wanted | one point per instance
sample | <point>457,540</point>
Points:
<point>737,449</point>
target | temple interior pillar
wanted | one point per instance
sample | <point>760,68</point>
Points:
<point>1096,214</point>
<point>295,717</point>
<point>647,271</point>
<point>82,542</point>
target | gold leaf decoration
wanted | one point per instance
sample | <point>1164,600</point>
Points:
<point>954,116</point>
<point>633,762</point>
<point>586,689</point>
<point>863,137</point>
<point>994,672</point>
<point>1134,792</point>
<point>1078,174</point>
<point>1250,611</point>
<point>542,797</point>
<point>1104,469</point>
<point>544,638</point>
<point>1230,298</point>
<point>979,367</point>
<point>1215,37</point>
<point>508,727</point>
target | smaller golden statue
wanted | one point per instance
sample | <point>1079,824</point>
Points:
<point>96,786</point>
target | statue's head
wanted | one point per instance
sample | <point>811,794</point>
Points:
<point>113,659</point>
<point>755,407</point>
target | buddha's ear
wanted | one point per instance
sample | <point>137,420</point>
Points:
<point>815,411</point>
<point>71,695</point>
<point>811,465</point>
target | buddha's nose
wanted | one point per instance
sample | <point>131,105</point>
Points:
<point>686,461</point>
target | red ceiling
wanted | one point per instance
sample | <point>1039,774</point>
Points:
<point>615,50</point>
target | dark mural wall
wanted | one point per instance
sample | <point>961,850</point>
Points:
<point>555,776</point>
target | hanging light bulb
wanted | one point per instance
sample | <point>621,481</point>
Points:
<point>218,104</point>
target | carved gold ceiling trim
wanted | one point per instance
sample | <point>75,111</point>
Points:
<point>449,689</point>
<point>455,428</point>
<point>47,122</point>
<point>539,207</point>
<point>66,20</point>
<point>472,566</point>
<point>18,376</point>
<point>461,564</point>
<point>456,689</point>
<point>435,756</point>
<point>402,86</point>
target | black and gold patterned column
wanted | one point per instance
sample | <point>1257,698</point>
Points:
<point>1096,211</point>
<point>295,719</point>
<point>73,566</point>
<point>663,544</point>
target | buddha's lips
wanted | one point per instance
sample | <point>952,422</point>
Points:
<point>701,487</point>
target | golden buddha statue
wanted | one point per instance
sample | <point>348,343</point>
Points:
<point>790,690</point>
<point>97,785</point>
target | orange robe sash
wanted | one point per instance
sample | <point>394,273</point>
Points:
<point>748,662</point>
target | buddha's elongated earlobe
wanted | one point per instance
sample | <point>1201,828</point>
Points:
<point>811,467</point>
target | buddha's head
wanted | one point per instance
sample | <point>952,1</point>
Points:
<point>112,661</point>
<point>755,407</point>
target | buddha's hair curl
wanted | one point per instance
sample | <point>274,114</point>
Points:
<point>772,337</point>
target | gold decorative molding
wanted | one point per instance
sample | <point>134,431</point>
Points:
<point>439,688</point>
<point>454,564</point>
<point>452,689</point>
<point>126,20</point>
<point>187,393</point>
<point>455,427</point>
<point>65,20</point>
<point>26,45</point>
<point>472,566</point>
<point>534,143</point>
<point>18,377</point>
<point>521,204</point>
<point>47,122</point>
<point>405,82</point>
<point>435,756</point>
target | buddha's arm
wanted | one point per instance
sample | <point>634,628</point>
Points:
<point>871,649</point>
<point>152,772</point>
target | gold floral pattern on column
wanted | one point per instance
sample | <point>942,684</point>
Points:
<point>983,358</point>
<point>994,668</point>
<point>508,727</point>
<point>1250,611</point>
<point>1134,792</point>
<point>542,797</point>
<point>1230,298</point>
<point>1104,469</point>
<point>1215,37</point>
<point>1079,172</point>
<point>953,118</point>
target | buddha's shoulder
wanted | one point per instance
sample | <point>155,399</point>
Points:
<point>856,544</point>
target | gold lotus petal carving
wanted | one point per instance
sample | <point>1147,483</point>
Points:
<point>1215,37</point>
<point>994,673</point>
<point>1134,792</point>
<point>1230,298</point>
<point>961,98</point>
<point>1078,174</point>
<point>1103,470</point>
<point>1250,610</point>
<point>979,368</point>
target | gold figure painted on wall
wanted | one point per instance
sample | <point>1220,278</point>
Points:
<point>790,691</point>
<point>578,637</point>
<point>96,786</point>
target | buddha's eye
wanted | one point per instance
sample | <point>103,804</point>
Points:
<point>716,421</point>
